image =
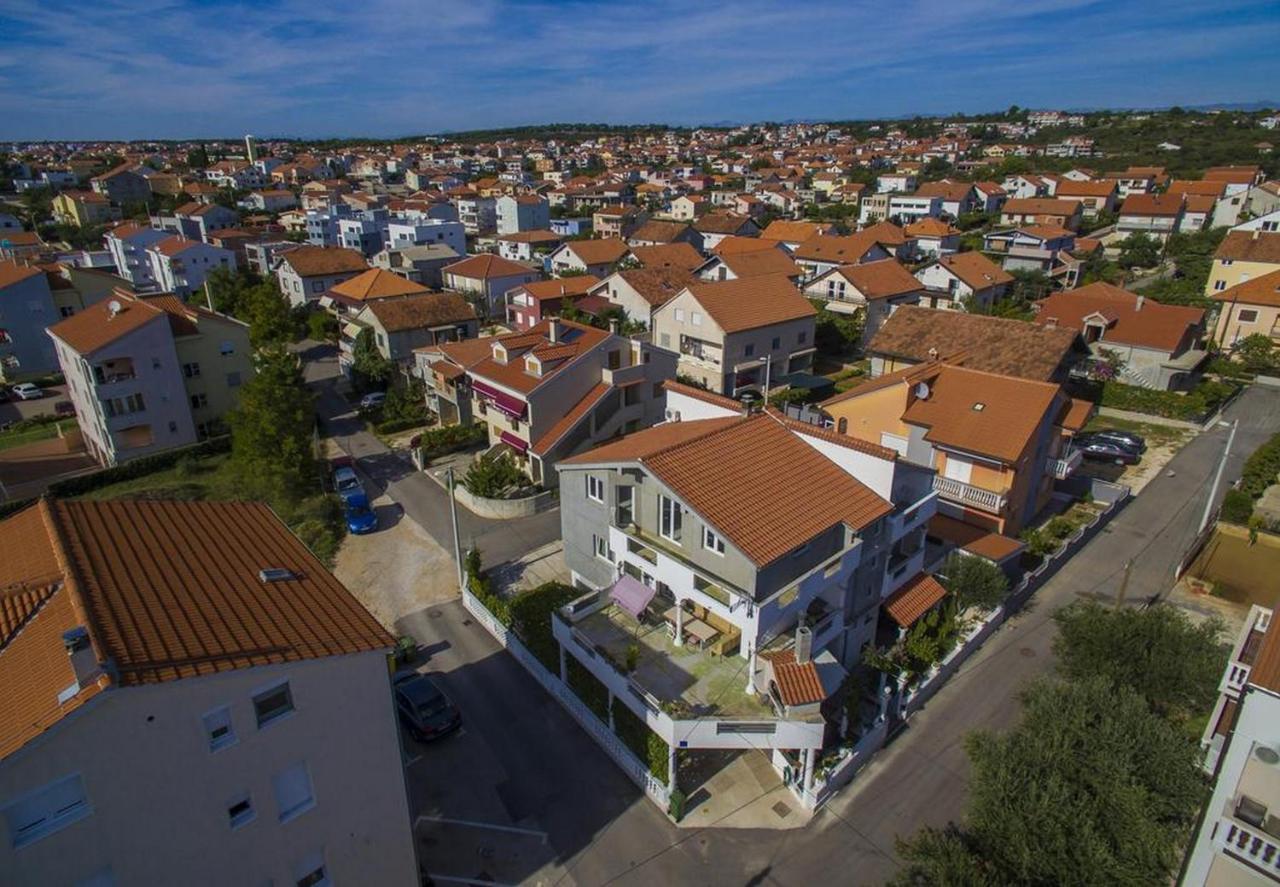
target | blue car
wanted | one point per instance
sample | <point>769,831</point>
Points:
<point>360,517</point>
<point>347,484</point>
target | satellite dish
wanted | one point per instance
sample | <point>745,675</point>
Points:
<point>1266,754</point>
<point>922,391</point>
<point>114,307</point>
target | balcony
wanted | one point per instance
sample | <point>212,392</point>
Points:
<point>1250,845</point>
<point>914,516</point>
<point>659,559</point>
<point>969,495</point>
<point>901,568</point>
<point>700,350</point>
<point>1061,469</point>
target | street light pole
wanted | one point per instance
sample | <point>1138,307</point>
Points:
<point>1217,478</point>
<point>453,517</point>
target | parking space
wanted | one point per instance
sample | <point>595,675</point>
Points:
<point>13,410</point>
<point>1163,443</point>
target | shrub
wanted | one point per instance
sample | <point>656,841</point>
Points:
<point>643,742</point>
<point>975,582</point>
<point>85,483</point>
<point>588,688</point>
<point>391,426</point>
<point>1237,507</point>
<point>1194,405</point>
<point>531,615</point>
<point>492,477</point>
<point>322,326</point>
<point>451,438</point>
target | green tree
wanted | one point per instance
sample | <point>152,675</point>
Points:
<point>1091,787</point>
<point>270,320</point>
<point>1257,352</point>
<point>227,290</point>
<point>1157,652</point>
<point>272,428</point>
<point>975,582</point>
<point>493,476</point>
<point>1139,251</point>
<point>369,369</point>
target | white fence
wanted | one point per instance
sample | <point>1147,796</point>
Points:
<point>622,756</point>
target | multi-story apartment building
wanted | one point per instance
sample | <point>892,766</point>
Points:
<point>479,215</point>
<point>180,266</point>
<point>157,729</point>
<point>197,221</point>
<point>522,212</point>
<point>558,387</point>
<point>1237,841</point>
<point>731,334</point>
<point>83,209</point>
<point>33,298</point>
<point>400,325</point>
<point>737,563</point>
<point>128,244</point>
<point>420,231</point>
<point>997,442</point>
<point>1155,215</point>
<point>150,373</point>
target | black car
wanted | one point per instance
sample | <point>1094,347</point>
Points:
<point>1107,451</point>
<point>1126,439</point>
<point>423,708</point>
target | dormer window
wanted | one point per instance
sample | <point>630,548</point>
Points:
<point>499,353</point>
<point>532,365</point>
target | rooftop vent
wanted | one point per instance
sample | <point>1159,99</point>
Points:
<point>114,307</point>
<point>979,407</point>
<point>275,574</point>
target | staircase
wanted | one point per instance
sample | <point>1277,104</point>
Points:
<point>1130,377</point>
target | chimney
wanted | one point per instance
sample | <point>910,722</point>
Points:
<point>84,662</point>
<point>1137,306</point>
<point>613,325</point>
<point>804,644</point>
<point>1256,232</point>
<point>554,330</point>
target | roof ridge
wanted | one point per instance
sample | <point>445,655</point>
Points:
<point>721,426</point>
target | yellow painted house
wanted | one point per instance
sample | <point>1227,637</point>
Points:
<point>1248,309</point>
<point>1241,257</point>
<point>83,208</point>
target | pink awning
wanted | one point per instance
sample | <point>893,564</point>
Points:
<point>514,442</point>
<point>631,594</point>
<point>512,406</point>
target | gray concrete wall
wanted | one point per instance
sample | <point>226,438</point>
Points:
<point>26,311</point>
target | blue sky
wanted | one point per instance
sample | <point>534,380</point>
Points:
<point>134,69</point>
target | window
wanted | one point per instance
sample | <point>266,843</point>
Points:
<point>47,810</point>
<point>226,348</point>
<point>272,704</point>
<point>695,318</point>
<point>173,427</point>
<point>198,401</point>
<point>803,337</point>
<point>595,488</point>
<point>1247,315</point>
<point>233,380</point>
<point>712,542</point>
<point>749,350</point>
<point>801,550</point>
<point>240,811</point>
<point>191,370</point>
<point>155,363</point>
<point>218,729</point>
<point>669,522</point>
<point>1219,285</point>
<point>777,343</point>
<point>134,403</point>
<point>679,312</point>
<point>665,340</point>
<point>67,310</point>
<point>601,545</point>
<point>314,877</point>
<point>842,425</point>
<point>293,791</point>
<point>317,286</point>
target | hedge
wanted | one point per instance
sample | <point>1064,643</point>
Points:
<point>391,426</point>
<point>1237,507</point>
<point>643,742</point>
<point>1195,405</point>
<point>450,439</point>
<point>531,613</point>
<point>1261,468</point>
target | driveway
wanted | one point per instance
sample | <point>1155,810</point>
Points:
<point>393,473</point>
<point>13,409</point>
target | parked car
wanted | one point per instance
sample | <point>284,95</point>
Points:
<point>1125,438</point>
<point>1108,451</point>
<point>64,408</point>
<point>27,391</point>
<point>360,517</point>
<point>423,708</point>
<point>373,400</point>
<point>347,483</point>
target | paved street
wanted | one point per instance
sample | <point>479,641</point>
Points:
<point>519,744</point>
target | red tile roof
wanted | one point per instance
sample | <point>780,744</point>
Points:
<point>486,267</point>
<point>920,595</point>
<point>1130,319</point>
<point>752,302</point>
<point>798,683</point>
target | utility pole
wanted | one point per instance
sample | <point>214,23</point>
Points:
<point>1217,478</point>
<point>453,517</point>
<point>768,366</point>
<point>1124,583</point>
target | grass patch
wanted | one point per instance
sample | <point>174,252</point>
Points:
<point>30,434</point>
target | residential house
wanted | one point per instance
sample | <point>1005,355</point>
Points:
<point>957,197</point>
<point>641,291</point>
<point>1094,197</point>
<point>730,334</point>
<point>400,325</point>
<point>997,443</point>
<point>1041,211</point>
<point>528,246</point>
<point>128,244</point>
<point>122,185</point>
<point>443,370</point>
<point>420,264</point>
<point>22,245</point>
<point>528,304</point>
<point>479,215</point>
<point>485,279</point>
<point>33,298</point>
<point>261,257</point>
<point>180,266</point>
<point>679,255</point>
<point>792,234</point>
<point>272,201</point>
<point>1235,841</point>
<point>822,253</point>
<point>874,289</point>
<point>749,552</point>
<point>559,387</point>
<point>150,373</point>
<point>1243,256</point>
<point>688,207</point>
<point>750,264</point>
<point>1155,215</point>
<point>1140,180</point>
<point>596,257</point>
<point>1159,346</point>
<point>998,345</point>
<point>617,221</point>
<point>83,209</point>
<point>521,212</point>
<point>197,221</point>
<point>305,273</point>
<point>1247,309</point>
<point>714,227</point>
<point>961,281</point>
<point>346,297</point>
<point>1030,247</point>
<point>1264,200</point>
<point>656,232</point>
<point>988,197</point>
<point>933,238</point>
<point>235,749</point>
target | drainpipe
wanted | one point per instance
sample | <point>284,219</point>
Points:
<point>751,667</point>
<point>679,623</point>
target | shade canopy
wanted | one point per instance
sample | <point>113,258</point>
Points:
<point>512,406</point>
<point>514,442</point>
<point>631,594</point>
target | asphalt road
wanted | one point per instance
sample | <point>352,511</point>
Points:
<point>422,498</point>
<point>523,763</point>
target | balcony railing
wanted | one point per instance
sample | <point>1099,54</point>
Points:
<point>968,494</point>
<point>1237,675</point>
<point>700,350</point>
<point>1065,467</point>
<point>1250,845</point>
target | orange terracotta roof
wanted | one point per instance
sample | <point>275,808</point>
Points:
<point>920,595</point>
<point>930,227</point>
<point>721,223</point>
<point>1151,205</point>
<point>975,540</point>
<point>566,423</point>
<point>167,591</point>
<point>1200,188</point>
<point>1264,290</point>
<point>883,279</point>
<point>702,394</point>
<point>96,326</point>
<point>798,683</point>
<point>845,250</point>
<point>681,256</point>
<point>487,266</point>
<point>975,270</point>
<point>655,285</point>
<point>1266,667</point>
<point>1039,206</point>
<point>734,244</point>
<point>760,262</point>
<point>752,302</point>
<point>751,478</point>
<point>558,288</point>
<point>659,231</point>
<point>578,339</point>
<point>1070,188</point>
<point>13,272</point>
<point>421,311</point>
<point>318,261</point>
<point>1130,319</point>
<point>604,251</point>
<point>793,232</point>
<point>1076,414</point>
<point>1250,246</point>
<point>377,284</point>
